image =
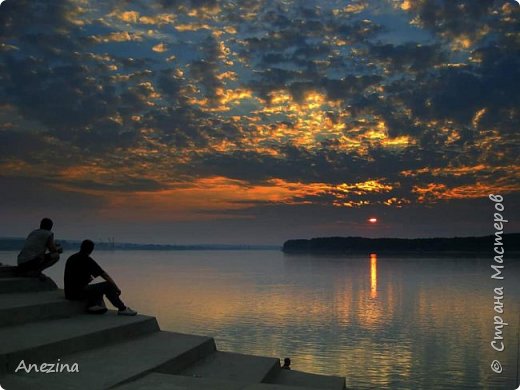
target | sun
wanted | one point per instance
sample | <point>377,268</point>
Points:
<point>372,220</point>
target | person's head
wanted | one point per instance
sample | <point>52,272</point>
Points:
<point>87,246</point>
<point>46,224</point>
<point>286,362</point>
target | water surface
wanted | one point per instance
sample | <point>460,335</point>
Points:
<point>403,323</point>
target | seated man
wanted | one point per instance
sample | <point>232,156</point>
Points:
<point>34,258</point>
<point>80,270</point>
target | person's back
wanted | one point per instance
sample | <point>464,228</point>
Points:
<point>35,245</point>
<point>39,251</point>
<point>80,268</point>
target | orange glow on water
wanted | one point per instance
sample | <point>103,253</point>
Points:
<point>373,275</point>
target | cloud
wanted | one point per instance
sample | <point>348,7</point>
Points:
<point>410,56</point>
<point>37,195</point>
<point>316,104</point>
<point>463,22</point>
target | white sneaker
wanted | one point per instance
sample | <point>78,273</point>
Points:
<point>127,312</point>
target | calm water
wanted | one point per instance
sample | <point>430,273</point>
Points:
<point>380,322</point>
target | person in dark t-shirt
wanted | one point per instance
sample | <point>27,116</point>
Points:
<point>80,270</point>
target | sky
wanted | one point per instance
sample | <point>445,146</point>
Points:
<point>258,121</point>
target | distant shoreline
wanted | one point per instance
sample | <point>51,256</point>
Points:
<point>403,254</point>
<point>12,244</point>
<point>439,246</point>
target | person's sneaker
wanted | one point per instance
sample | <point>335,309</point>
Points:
<point>127,312</point>
<point>97,309</point>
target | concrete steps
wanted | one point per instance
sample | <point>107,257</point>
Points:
<point>234,367</point>
<point>38,326</point>
<point>7,270</point>
<point>298,378</point>
<point>21,308</point>
<point>108,366</point>
<point>25,284</point>
<point>157,381</point>
<point>47,341</point>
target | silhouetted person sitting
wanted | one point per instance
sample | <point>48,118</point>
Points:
<point>286,364</point>
<point>80,270</point>
<point>34,258</point>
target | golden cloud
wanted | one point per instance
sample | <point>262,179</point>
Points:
<point>121,36</point>
<point>434,192</point>
<point>192,27</point>
<point>135,17</point>
<point>160,48</point>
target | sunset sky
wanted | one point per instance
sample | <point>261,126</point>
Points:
<point>257,121</point>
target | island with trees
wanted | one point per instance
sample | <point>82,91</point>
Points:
<point>439,245</point>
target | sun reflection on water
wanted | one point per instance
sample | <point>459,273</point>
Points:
<point>373,275</point>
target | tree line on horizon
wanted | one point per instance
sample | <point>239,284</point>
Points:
<point>12,244</point>
<point>510,242</point>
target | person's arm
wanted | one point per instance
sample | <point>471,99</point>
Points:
<point>51,245</point>
<point>95,271</point>
<point>107,277</point>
